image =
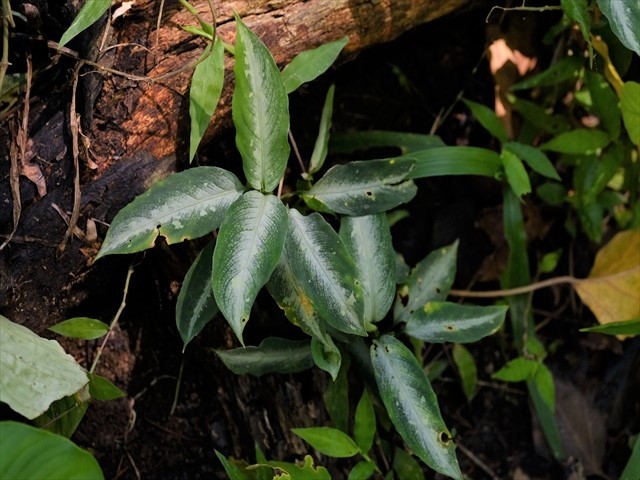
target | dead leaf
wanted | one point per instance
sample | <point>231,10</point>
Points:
<point>612,290</point>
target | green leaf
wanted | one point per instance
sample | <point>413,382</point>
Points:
<point>326,271</point>
<point>553,193</point>
<point>429,281</point>
<point>260,111</point>
<point>368,241</point>
<point>326,355</point>
<point>248,248</point>
<point>549,261</point>
<point>81,327</point>
<point>362,470</point>
<point>578,11</point>
<point>630,106</point>
<point>87,16</point>
<point>440,161</point>
<point>406,142</point>
<point>543,379</point>
<point>196,305</point>
<point>35,371</point>
<point>547,419</point>
<point>273,355</point>
<point>626,327</point>
<point>234,471</point>
<point>63,416</point>
<point>363,188</point>
<point>102,389</point>
<point>517,370</point>
<point>632,468</point>
<point>309,65</point>
<point>328,441</point>
<point>624,18</point>
<point>516,174</point>
<point>439,322</point>
<point>568,68</point>
<point>31,453</point>
<point>488,119</point>
<point>538,116</point>
<point>322,141</point>
<point>336,397</point>
<point>405,466</point>
<point>578,141</point>
<point>466,369</point>
<point>185,205</point>
<point>204,93</point>
<point>605,102</point>
<point>364,428</point>
<point>412,405</point>
<point>535,158</point>
<point>305,472</point>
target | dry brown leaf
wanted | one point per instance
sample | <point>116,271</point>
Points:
<point>612,290</point>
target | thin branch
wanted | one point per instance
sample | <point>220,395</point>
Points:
<point>523,8</point>
<point>296,152</point>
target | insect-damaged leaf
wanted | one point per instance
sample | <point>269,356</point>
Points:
<point>247,251</point>
<point>185,205</point>
<point>412,405</point>
<point>363,188</point>
<point>260,111</point>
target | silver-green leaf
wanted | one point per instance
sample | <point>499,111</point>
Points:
<point>260,111</point>
<point>412,405</point>
<point>185,205</point>
<point>624,17</point>
<point>247,250</point>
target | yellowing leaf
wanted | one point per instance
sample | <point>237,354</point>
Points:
<point>612,290</point>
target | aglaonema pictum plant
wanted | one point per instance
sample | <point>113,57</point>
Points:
<point>336,286</point>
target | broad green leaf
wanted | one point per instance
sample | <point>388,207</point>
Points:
<point>406,142</point>
<point>543,379</point>
<point>27,452</point>
<point>632,468</point>
<point>630,106</point>
<point>405,466</point>
<point>593,173</point>
<point>204,93</point>
<point>578,11</point>
<point>263,472</point>
<point>578,141</point>
<point>429,281</point>
<point>102,389</point>
<point>547,418</point>
<point>539,117</point>
<point>321,146</point>
<point>565,69</point>
<point>248,248</point>
<point>535,158</point>
<point>35,371</point>
<point>624,18</point>
<point>467,370</point>
<point>440,161</point>
<point>87,16</point>
<point>363,188</point>
<point>328,441</point>
<point>234,471</point>
<point>326,355</point>
<point>439,322</point>
<point>488,119</point>
<point>185,205</point>
<point>516,174</point>
<point>605,102</point>
<point>309,65</point>
<point>63,416</point>
<point>553,193</point>
<point>336,397</point>
<point>364,428</point>
<point>305,472</point>
<point>260,111</point>
<point>625,327</point>
<point>273,355</point>
<point>326,271</point>
<point>196,305</point>
<point>362,470</point>
<point>517,370</point>
<point>81,327</point>
<point>368,240</point>
<point>412,405</point>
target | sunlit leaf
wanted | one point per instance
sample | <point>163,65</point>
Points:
<point>563,70</point>
<point>260,111</point>
<point>32,453</point>
<point>81,327</point>
<point>611,290</point>
<point>412,405</point>
<point>429,281</point>
<point>405,466</point>
<point>625,327</point>
<point>247,250</point>
<point>440,161</point>
<point>87,16</point>
<point>102,389</point>
<point>578,141</point>
<point>535,158</point>
<point>204,93</point>
<point>515,173</point>
<point>624,18</point>
<point>363,188</point>
<point>307,471</point>
<point>328,441</point>
<point>630,106</point>
<point>309,65</point>
<point>35,371</point>
<point>196,305</point>
<point>406,142</point>
<point>466,369</point>
<point>273,355</point>
<point>321,146</point>
<point>368,240</point>
<point>364,427</point>
<point>185,205</point>
<point>488,119</point>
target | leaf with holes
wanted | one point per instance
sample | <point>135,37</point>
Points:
<point>185,205</point>
<point>309,65</point>
<point>260,111</point>
<point>247,250</point>
<point>412,405</point>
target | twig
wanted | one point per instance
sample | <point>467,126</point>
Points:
<point>483,466</point>
<point>296,151</point>
<point>523,8</point>
<point>177,391</point>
